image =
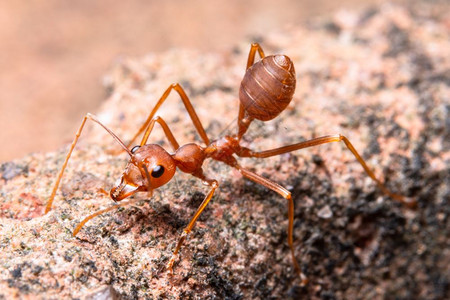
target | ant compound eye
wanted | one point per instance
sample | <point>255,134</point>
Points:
<point>135,148</point>
<point>157,171</point>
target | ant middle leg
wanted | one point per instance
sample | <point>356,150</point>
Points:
<point>214,185</point>
<point>188,105</point>
<point>245,152</point>
<point>287,195</point>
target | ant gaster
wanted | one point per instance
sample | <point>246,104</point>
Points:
<point>266,90</point>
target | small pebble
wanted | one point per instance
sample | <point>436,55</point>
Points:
<point>325,212</point>
<point>9,170</point>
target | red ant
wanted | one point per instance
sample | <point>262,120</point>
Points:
<point>266,90</point>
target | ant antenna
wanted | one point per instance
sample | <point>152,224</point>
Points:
<point>93,118</point>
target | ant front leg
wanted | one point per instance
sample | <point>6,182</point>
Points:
<point>214,185</point>
<point>77,135</point>
<point>187,103</point>
<point>166,129</point>
<point>145,171</point>
<point>325,140</point>
<point>100,212</point>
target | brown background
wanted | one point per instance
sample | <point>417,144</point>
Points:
<point>53,54</point>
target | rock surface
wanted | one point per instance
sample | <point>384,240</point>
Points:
<point>380,77</point>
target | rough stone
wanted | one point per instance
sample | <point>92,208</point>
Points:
<point>379,77</point>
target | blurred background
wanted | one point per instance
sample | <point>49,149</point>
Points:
<point>53,53</point>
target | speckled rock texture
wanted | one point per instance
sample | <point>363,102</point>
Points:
<point>380,77</point>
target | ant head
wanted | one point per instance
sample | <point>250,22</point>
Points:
<point>150,167</point>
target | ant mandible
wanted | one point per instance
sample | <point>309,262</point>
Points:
<point>266,90</point>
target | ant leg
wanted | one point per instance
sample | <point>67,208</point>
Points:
<point>287,195</point>
<point>187,103</point>
<point>77,135</point>
<point>166,129</point>
<point>325,140</point>
<point>213,184</point>
<point>243,120</point>
<point>85,220</point>
<point>251,55</point>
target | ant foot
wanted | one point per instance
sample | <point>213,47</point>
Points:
<point>304,279</point>
<point>407,201</point>
<point>169,266</point>
<point>410,202</point>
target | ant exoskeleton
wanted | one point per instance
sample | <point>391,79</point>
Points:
<point>266,90</point>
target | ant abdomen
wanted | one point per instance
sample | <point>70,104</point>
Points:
<point>268,87</point>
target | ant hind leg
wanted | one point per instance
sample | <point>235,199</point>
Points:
<point>245,152</point>
<point>243,120</point>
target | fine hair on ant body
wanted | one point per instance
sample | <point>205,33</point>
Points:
<point>266,90</point>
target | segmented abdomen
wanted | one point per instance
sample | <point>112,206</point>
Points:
<point>268,87</point>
